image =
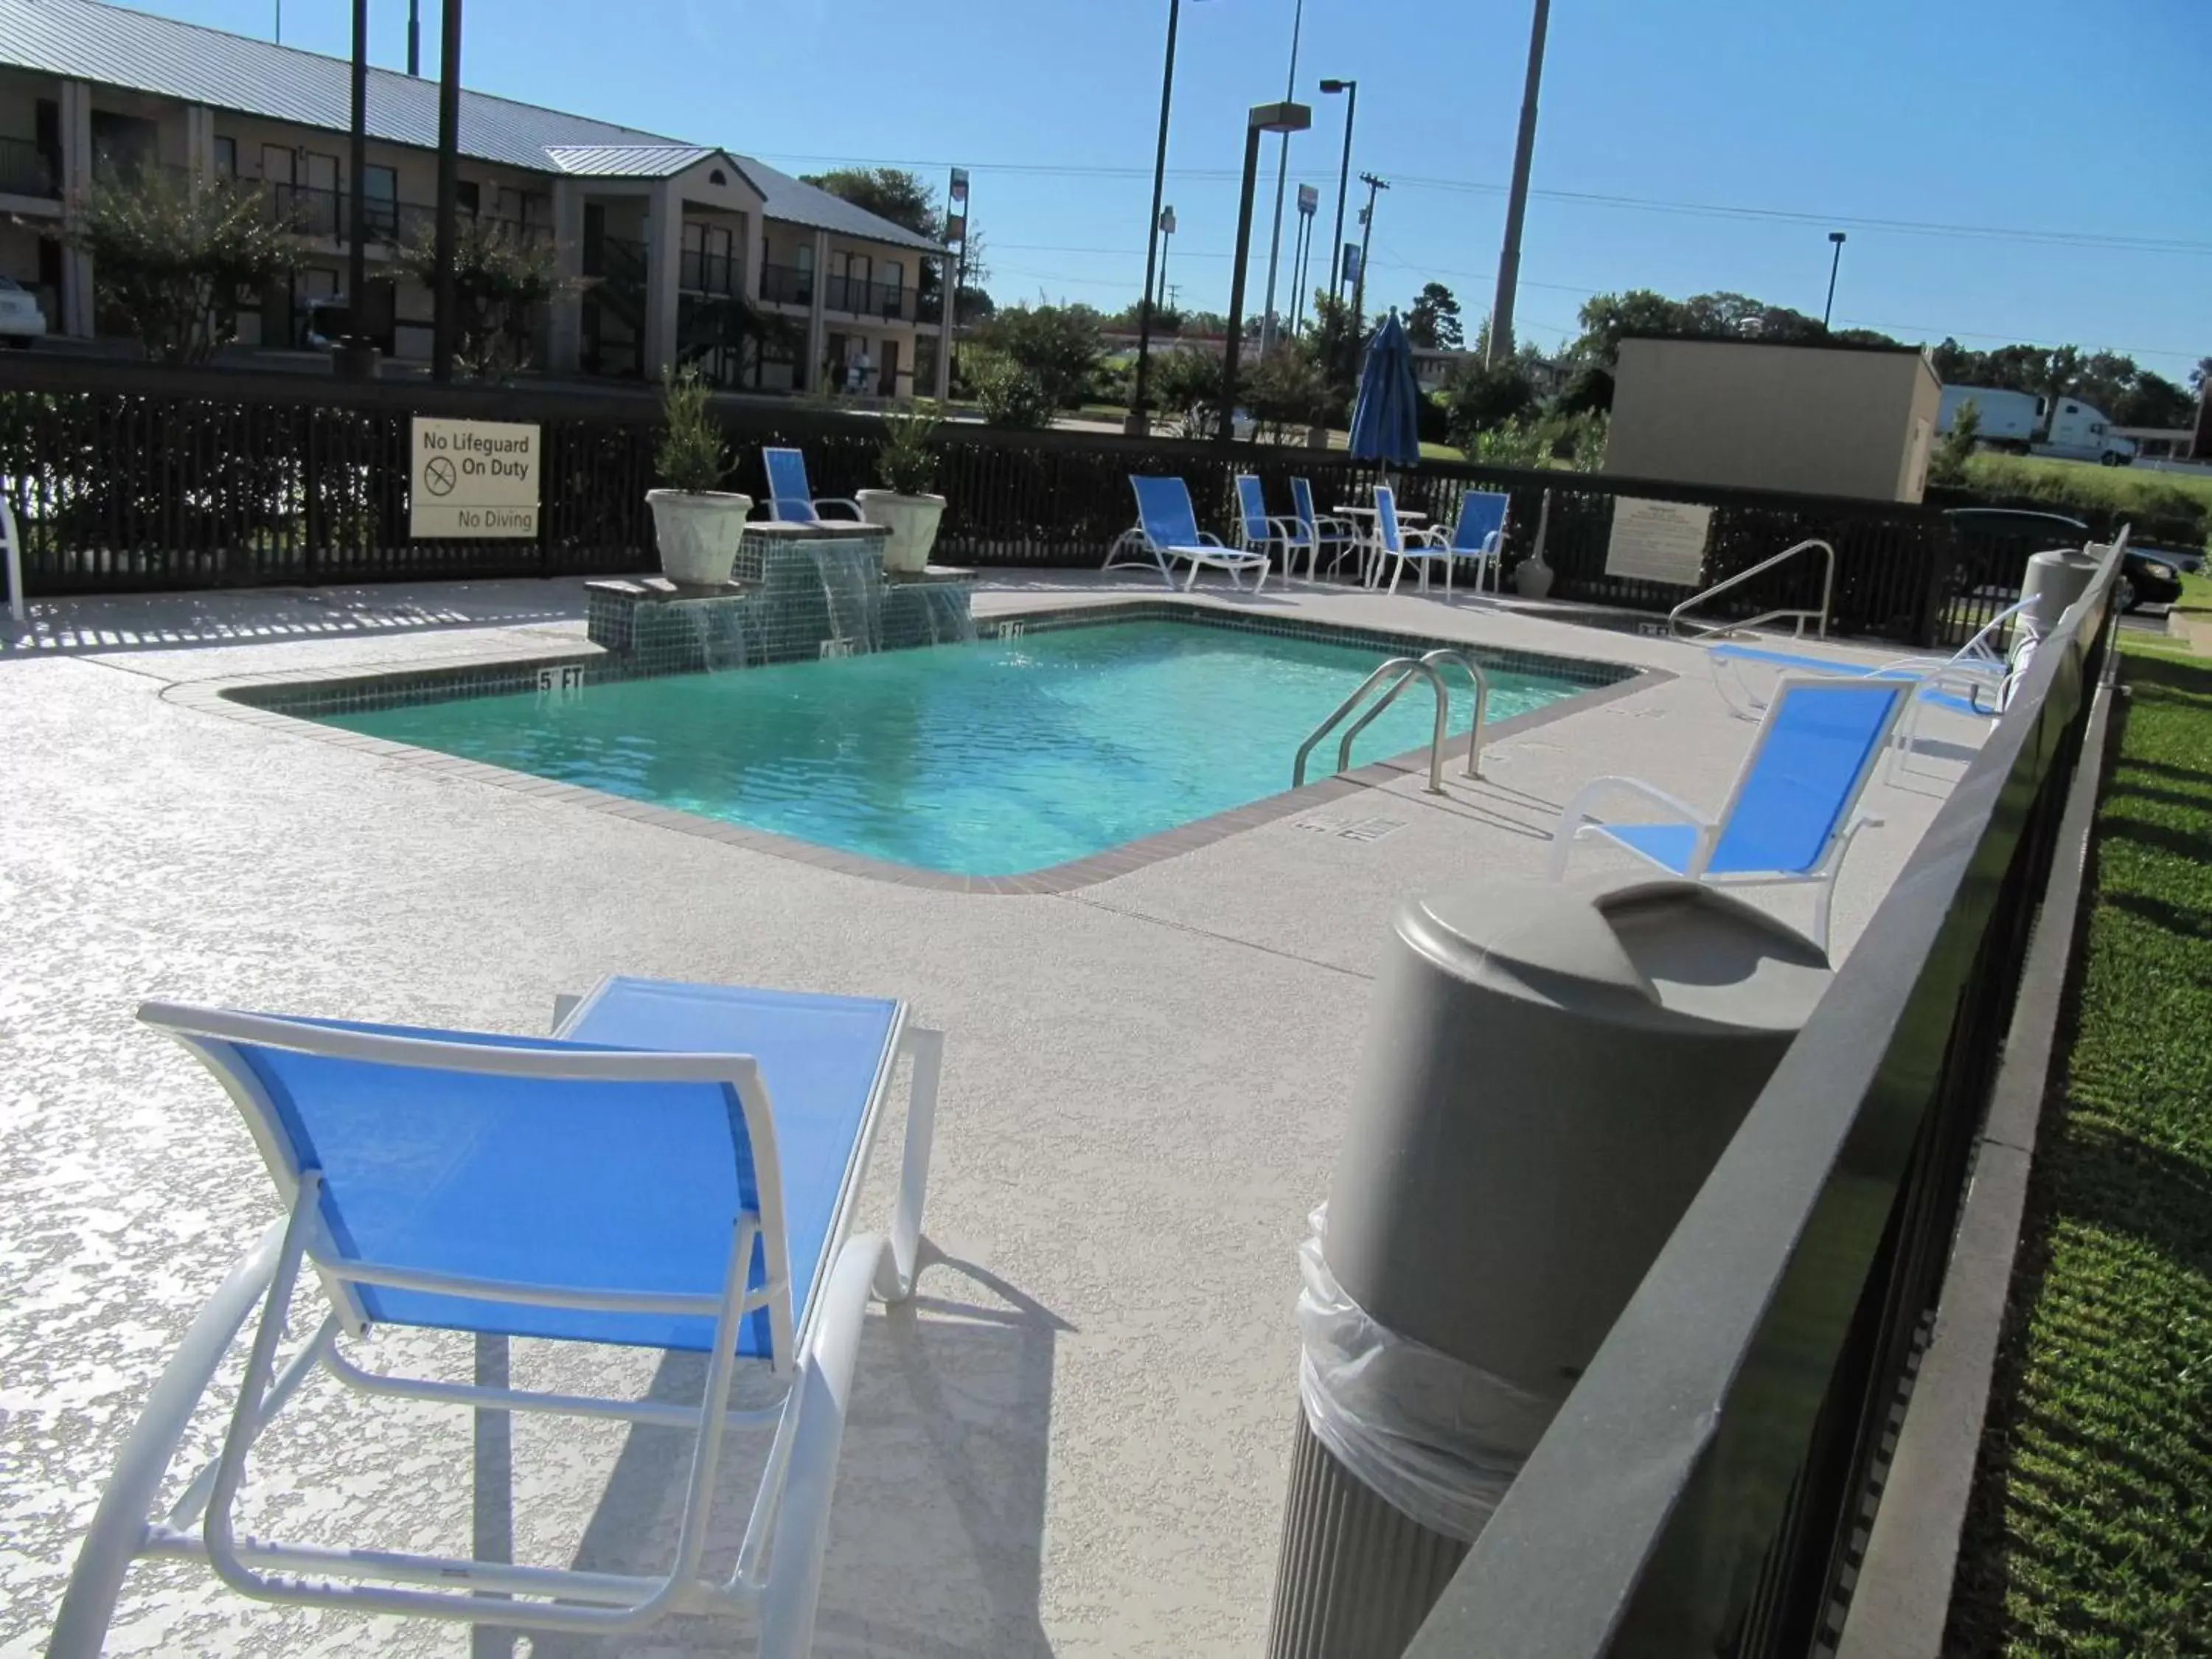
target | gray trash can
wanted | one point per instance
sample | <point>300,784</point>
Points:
<point>2054,580</point>
<point>1550,1072</point>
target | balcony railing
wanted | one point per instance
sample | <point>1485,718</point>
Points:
<point>862,298</point>
<point>312,210</point>
<point>699,273</point>
<point>787,285</point>
<point>29,169</point>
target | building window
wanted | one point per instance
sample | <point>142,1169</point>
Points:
<point>226,158</point>
<point>894,280</point>
<point>379,190</point>
<point>466,196</point>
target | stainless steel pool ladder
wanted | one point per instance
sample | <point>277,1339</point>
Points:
<point>1704,631</point>
<point>1405,668</point>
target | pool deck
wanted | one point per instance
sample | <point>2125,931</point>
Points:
<point>1075,1442</point>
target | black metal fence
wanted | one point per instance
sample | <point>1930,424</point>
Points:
<point>1698,1491</point>
<point>127,476</point>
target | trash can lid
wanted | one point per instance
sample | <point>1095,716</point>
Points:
<point>1625,947</point>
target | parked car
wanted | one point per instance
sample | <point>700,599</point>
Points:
<point>21,320</point>
<point>1995,545</point>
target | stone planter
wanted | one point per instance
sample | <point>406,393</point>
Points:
<point>1532,578</point>
<point>697,533</point>
<point>912,520</point>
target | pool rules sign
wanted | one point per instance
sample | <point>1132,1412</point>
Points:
<point>476,479</point>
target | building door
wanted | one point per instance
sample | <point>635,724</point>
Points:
<point>887,356</point>
<point>836,349</point>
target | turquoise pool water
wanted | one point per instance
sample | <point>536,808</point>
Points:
<point>986,759</point>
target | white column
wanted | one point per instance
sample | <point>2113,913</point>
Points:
<point>664,255</point>
<point>751,228</point>
<point>76,305</point>
<point>199,143</point>
<point>564,331</point>
<point>816,329</point>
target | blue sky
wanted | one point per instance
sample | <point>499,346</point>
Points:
<point>2082,124</point>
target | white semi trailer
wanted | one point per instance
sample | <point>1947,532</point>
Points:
<point>2064,428</point>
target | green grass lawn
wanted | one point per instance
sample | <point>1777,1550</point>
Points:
<point>2152,494</point>
<point>2090,1532</point>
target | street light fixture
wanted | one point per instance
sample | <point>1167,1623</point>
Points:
<point>1285,116</point>
<point>1835,260</point>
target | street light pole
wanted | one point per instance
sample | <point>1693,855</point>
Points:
<point>445,318</point>
<point>1282,177</point>
<point>1285,116</point>
<point>1139,408</point>
<point>1835,260</point>
<point>357,199</point>
<point>1516,204</point>
<point>1351,89</point>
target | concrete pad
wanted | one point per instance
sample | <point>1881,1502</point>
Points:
<point>1077,1441</point>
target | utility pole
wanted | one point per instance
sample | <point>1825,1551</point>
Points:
<point>1282,176</point>
<point>1139,408</point>
<point>1828,310</point>
<point>445,317</point>
<point>1516,203</point>
<point>1366,234</point>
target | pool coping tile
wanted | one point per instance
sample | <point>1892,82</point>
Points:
<point>286,699</point>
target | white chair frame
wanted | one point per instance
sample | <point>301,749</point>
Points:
<point>792,1503</point>
<point>1578,817</point>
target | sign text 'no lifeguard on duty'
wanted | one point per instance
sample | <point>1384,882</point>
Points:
<point>472,478</point>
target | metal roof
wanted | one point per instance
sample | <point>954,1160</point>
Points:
<point>626,160</point>
<point>92,40</point>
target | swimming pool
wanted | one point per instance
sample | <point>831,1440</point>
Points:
<point>988,759</point>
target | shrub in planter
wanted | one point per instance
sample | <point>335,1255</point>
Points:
<point>907,464</point>
<point>696,525</point>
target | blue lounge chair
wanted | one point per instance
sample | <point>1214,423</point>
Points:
<point>1390,543</point>
<point>789,499</point>
<point>1256,532</point>
<point>1480,535</point>
<point>1789,817</point>
<point>1169,529</point>
<point>1319,535</point>
<point>629,1181</point>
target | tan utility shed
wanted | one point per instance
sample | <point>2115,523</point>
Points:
<point>1824,420</point>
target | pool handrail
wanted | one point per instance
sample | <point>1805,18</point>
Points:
<point>1404,668</point>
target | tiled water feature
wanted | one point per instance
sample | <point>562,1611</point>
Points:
<point>796,592</point>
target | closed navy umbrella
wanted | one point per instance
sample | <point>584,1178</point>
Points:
<point>1384,425</point>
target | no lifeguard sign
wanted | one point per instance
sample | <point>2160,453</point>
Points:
<point>473,478</point>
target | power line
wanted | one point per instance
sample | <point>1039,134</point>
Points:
<point>2044,237</point>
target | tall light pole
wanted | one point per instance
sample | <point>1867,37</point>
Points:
<point>1350,89</point>
<point>357,199</point>
<point>1139,408</point>
<point>1285,116</point>
<point>1516,204</point>
<point>445,315</point>
<point>1282,175</point>
<point>1366,234</point>
<point>1835,260</point>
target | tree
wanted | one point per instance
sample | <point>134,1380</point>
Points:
<point>174,258</point>
<point>1482,395</point>
<point>1333,343</point>
<point>1432,320</point>
<point>1286,393</point>
<point>1011,394</point>
<point>1060,345</point>
<point>1186,389</point>
<point>2200,378</point>
<point>891,194</point>
<point>2154,400</point>
<point>501,277</point>
<point>1947,465</point>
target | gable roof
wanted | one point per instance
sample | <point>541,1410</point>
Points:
<point>92,40</point>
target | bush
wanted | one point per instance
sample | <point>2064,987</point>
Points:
<point>1483,396</point>
<point>1011,394</point>
<point>2163,508</point>
<point>907,462</point>
<point>1287,393</point>
<point>172,258</point>
<point>691,456</point>
<point>1059,346</point>
<point>1185,385</point>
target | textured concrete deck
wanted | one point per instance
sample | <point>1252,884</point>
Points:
<point>1075,1444</point>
